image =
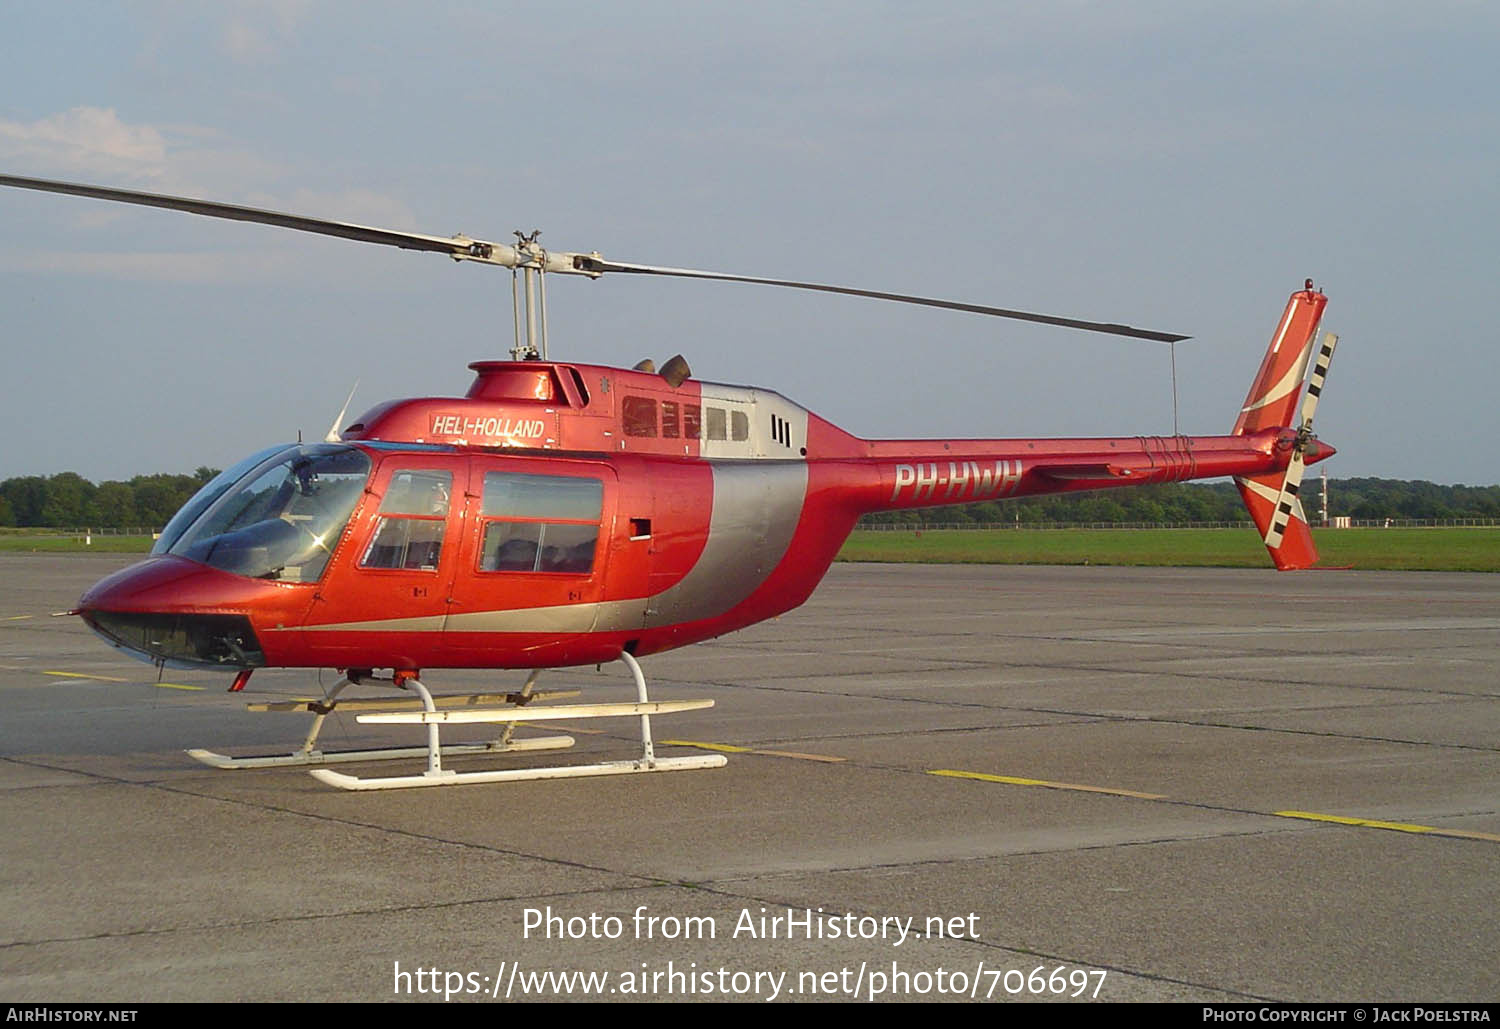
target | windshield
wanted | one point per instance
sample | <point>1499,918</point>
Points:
<point>281,518</point>
<point>212,491</point>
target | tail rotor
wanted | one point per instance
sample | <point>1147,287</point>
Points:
<point>1287,504</point>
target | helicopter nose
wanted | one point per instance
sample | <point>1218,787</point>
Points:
<point>173,611</point>
<point>160,583</point>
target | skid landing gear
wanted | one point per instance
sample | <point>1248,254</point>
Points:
<point>425,709</point>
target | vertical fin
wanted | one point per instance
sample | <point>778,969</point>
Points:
<point>1278,385</point>
<point>1272,498</point>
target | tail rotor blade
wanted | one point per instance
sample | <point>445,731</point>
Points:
<point>1287,504</point>
<point>1315,381</point>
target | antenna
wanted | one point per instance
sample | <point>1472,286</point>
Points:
<point>1172,346</point>
<point>334,435</point>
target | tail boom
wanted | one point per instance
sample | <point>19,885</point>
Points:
<point>1267,440</point>
<point>902,474</point>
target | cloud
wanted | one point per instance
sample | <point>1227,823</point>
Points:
<point>88,141</point>
<point>93,144</point>
<point>260,30</point>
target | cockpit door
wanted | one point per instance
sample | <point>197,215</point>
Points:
<point>402,550</point>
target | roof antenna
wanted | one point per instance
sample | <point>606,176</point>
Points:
<point>334,435</point>
<point>1173,347</point>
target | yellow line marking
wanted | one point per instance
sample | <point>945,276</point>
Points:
<point>1370,823</point>
<point>1012,780</point>
<point>728,748</point>
<point>111,678</point>
<point>723,748</point>
<point>16,618</point>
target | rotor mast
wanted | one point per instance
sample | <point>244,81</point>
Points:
<point>533,270</point>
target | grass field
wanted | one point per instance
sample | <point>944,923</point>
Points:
<point>1438,550</point>
<point>1447,550</point>
<point>47,541</point>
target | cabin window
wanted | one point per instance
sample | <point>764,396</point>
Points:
<point>542,496</point>
<point>639,416</point>
<point>413,516</point>
<point>692,421</point>
<point>540,523</point>
<point>670,425</point>
<point>717,424</point>
<point>739,426</point>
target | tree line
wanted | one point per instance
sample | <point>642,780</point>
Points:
<point>69,501</point>
<point>1215,502</point>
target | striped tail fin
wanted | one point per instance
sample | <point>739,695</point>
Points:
<point>1272,498</point>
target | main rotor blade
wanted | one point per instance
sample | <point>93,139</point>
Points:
<point>1112,328</point>
<point>528,254</point>
<point>458,246</point>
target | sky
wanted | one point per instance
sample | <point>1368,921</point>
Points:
<point>1176,166</point>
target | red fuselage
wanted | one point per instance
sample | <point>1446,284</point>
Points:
<point>561,514</point>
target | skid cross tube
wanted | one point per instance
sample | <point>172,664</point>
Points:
<point>436,775</point>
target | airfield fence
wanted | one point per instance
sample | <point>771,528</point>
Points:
<point>1357,523</point>
<point>51,533</point>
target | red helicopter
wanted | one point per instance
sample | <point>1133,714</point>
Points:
<point>563,514</point>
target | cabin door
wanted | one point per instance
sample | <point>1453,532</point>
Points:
<point>533,556</point>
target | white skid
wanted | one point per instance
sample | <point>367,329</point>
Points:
<point>450,778</point>
<point>535,714</point>
<point>318,757</point>
<point>462,709</point>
